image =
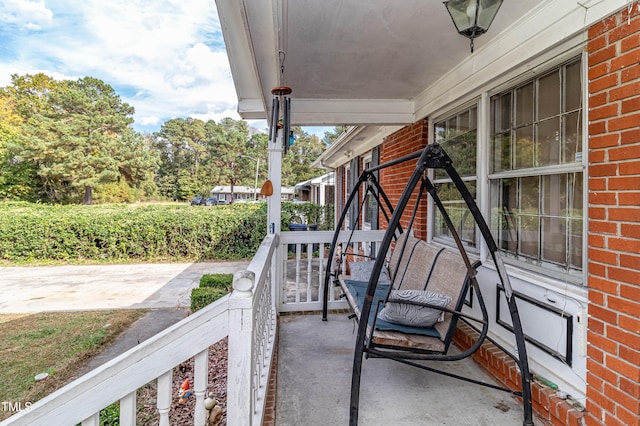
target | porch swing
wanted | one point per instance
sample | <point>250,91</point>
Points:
<point>423,284</point>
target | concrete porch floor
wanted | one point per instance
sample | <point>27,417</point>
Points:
<point>314,380</point>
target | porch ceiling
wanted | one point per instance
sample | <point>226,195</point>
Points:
<point>347,61</point>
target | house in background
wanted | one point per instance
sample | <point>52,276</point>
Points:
<point>319,190</point>
<point>245,193</point>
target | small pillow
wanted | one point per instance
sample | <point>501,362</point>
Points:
<point>361,271</point>
<point>414,315</point>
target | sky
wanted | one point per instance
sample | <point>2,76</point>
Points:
<point>166,58</point>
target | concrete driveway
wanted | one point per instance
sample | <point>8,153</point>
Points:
<point>86,287</point>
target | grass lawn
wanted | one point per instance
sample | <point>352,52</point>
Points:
<point>58,343</point>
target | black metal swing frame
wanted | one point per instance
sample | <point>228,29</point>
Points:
<point>431,157</point>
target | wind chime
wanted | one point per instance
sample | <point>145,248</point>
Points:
<point>280,125</point>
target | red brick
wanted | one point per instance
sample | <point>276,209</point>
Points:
<point>631,323</point>
<point>624,275</point>
<point>624,91</point>
<point>631,292</point>
<point>599,399</point>
<point>630,73</point>
<point>630,136</point>
<point>603,26</point>
<point>623,244</point>
<point>631,105</point>
<point>630,12</point>
<point>599,84</point>
<point>605,111</point>
<point>598,99</point>
<point>632,388</point>
<point>628,418</point>
<point>596,297</point>
<point>597,184</point>
<point>610,420</point>
<point>624,183</point>
<point>595,354</point>
<point>597,156</point>
<point>602,55</point>
<point>625,152</point>
<point>597,43</point>
<point>629,43</point>
<point>603,256</point>
<point>603,170</point>
<point>630,230</point>
<point>598,71</point>
<point>625,122</point>
<point>630,261</point>
<point>629,168</point>
<point>608,316</point>
<point>603,227</point>
<point>629,199</point>
<point>624,214</point>
<point>624,30</point>
<point>607,198</point>
<point>624,337</point>
<point>628,354</point>
<point>596,240</point>
<point>625,369</point>
<point>604,140</point>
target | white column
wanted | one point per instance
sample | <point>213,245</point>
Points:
<point>275,176</point>
<point>164,397</point>
<point>240,364</point>
<point>128,410</point>
<point>94,420</point>
<point>200,380</point>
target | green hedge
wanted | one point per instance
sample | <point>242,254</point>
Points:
<point>201,297</point>
<point>222,281</point>
<point>35,233</point>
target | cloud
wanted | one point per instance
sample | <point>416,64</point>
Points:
<point>25,14</point>
<point>166,58</point>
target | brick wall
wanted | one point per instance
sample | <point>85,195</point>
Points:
<point>613,365</point>
<point>394,179</point>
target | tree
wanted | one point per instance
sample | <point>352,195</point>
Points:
<point>229,140</point>
<point>17,178</point>
<point>296,165</point>
<point>78,135</point>
<point>330,136</point>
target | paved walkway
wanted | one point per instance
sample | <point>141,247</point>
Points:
<point>69,288</point>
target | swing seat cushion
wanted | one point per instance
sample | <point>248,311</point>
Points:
<point>416,308</point>
<point>361,271</point>
<point>358,290</point>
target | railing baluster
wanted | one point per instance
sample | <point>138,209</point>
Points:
<point>200,381</point>
<point>128,410</point>
<point>164,396</point>
<point>320,271</point>
<point>93,420</point>
<point>309,269</point>
<point>298,256</point>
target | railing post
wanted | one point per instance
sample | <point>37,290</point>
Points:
<point>164,396</point>
<point>239,393</point>
<point>128,410</point>
<point>93,420</point>
<point>200,381</point>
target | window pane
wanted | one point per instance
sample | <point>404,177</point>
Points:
<point>503,219</point>
<point>549,95</point>
<point>501,148</point>
<point>456,208</point>
<point>528,235</point>
<point>463,122</point>
<point>524,148</point>
<point>524,105</point>
<point>555,195</point>
<point>554,233</point>
<point>439,131</point>
<point>572,138</point>
<point>548,142</point>
<point>575,243</point>
<point>573,87</point>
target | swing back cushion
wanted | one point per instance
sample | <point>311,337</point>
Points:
<point>416,265</point>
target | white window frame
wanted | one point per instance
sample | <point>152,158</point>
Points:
<point>365,225</point>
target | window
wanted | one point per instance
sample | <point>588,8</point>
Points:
<point>536,178</point>
<point>370,207</point>
<point>458,135</point>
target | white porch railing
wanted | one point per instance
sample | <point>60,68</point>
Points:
<point>247,316</point>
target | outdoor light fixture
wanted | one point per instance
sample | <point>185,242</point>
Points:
<point>472,18</point>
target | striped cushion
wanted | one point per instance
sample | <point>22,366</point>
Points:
<point>413,313</point>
